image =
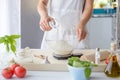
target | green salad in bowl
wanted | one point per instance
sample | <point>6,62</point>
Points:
<point>80,70</point>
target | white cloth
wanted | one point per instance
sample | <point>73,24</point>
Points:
<point>68,14</point>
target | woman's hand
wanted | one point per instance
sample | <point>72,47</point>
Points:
<point>44,23</point>
<point>81,32</point>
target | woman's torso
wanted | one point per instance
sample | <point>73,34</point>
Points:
<point>67,4</point>
<point>67,12</point>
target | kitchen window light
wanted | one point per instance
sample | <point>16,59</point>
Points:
<point>10,18</point>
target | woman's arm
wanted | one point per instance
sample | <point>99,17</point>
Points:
<point>45,18</point>
<point>42,8</point>
<point>86,12</point>
<point>81,30</point>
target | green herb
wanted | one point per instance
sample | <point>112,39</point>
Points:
<point>70,60</point>
<point>10,42</point>
<point>87,72</point>
<point>76,62</point>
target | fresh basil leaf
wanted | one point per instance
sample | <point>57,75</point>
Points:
<point>7,47</point>
<point>13,49</point>
<point>87,72</point>
<point>70,60</point>
<point>14,36</point>
<point>12,41</point>
<point>6,43</point>
<point>87,64</point>
<point>77,64</point>
<point>2,40</point>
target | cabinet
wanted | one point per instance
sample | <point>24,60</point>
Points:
<point>100,32</point>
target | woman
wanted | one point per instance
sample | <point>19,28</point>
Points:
<point>69,13</point>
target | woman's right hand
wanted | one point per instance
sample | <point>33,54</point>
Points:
<point>44,23</point>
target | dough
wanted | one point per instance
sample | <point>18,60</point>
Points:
<point>60,47</point>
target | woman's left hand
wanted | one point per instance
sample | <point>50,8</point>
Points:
<point>81,32</point>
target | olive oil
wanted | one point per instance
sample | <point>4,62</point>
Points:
<point>113,69</point>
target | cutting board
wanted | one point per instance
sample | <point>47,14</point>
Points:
<point>89,53</point>
<point>61,65</point>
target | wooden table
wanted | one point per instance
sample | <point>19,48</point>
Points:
<point>59,65</point>
<point>56,71</point>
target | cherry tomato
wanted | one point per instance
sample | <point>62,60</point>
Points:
<point>20,72</point>
<point>13,66</point>
<point>107,61</point>
<point>7,73</point>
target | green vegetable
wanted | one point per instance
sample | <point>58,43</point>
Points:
<point>87,72</point>
<point>10,42</point>
<point>70,60</point>
<point>76,62</point>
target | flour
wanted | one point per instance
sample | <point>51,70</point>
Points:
<point>60,47</point>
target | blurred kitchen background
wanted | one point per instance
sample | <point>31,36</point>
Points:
<point>22,17</point>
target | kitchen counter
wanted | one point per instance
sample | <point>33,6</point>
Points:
<point>50,75</point>
<point>36,64</point>
<point>47,72</point>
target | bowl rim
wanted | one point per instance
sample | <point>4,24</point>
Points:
<point>78,68</point>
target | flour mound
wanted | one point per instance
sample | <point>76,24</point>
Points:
<point>60,47</point>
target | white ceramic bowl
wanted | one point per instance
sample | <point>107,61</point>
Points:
<point>77,73</point>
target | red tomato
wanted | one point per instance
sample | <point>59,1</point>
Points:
<point>107,61</point>
<point>13,66</point>
<point>7,73</point>
<point>20,72</point>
